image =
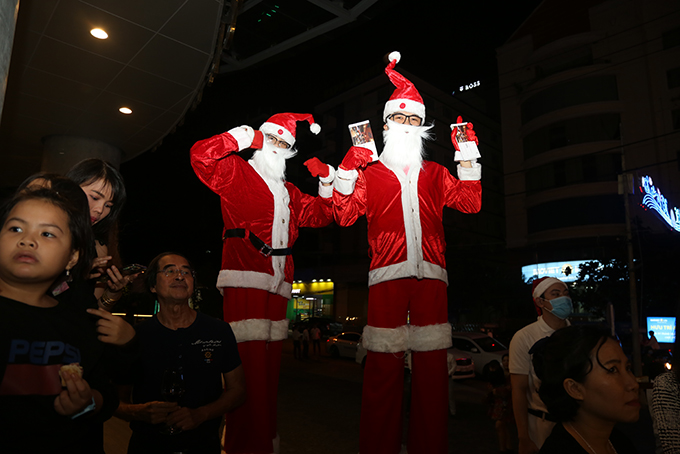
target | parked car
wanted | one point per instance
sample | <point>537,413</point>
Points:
<point>344,344</point>
<point>465,365</point>
<point>480,347</point>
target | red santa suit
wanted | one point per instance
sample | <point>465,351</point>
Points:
<point>407,281</point>
<point>262,217</point>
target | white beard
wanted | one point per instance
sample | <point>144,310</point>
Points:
<point>404,145</point>
<point>270,161</point>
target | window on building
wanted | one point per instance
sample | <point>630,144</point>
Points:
<point>567,94</point>
<point>591,210</point>
<point>673,76</point>
<point>671,38</point>
<point>584,169</point>
<point>574,131</point>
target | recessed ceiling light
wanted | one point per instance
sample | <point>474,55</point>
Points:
<point>125,110</point>
<point>99,33</point>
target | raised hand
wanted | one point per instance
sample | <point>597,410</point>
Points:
<point>317,168</point>
<point>356,158</point>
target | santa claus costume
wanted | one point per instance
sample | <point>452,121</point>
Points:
<point>403,197</point>
<point>262,214</point>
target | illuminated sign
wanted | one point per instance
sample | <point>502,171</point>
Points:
<point>656,201</point>
<point>468,87</point>
<point>564,271</point>
<point>663,327</point>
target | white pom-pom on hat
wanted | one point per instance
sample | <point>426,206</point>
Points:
<point>315,128</point>
<point>394,56</point>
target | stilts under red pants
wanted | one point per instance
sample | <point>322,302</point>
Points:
<point>389,303</point>
<point>252,426</point>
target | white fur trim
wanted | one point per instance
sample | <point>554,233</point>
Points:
<point>407,269</point>
<point>251,329</point>
<point>394,105</point>
<point>544,284</point>
<point>394,56</point>
<point>325,192</point>
<point>385,340</point>
<point>345,180</point>
<point>254,279</point>
<point>279,330</point>
<point>244,136</point>
<point>470,173</point>
<point>273,128</point>
<point>430,337</point>
<point>315,128</point>
<point>330,177</point>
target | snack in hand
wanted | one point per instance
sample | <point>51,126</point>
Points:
<point>73,368</point>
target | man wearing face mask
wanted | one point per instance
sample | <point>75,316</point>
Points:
<point>403,197</point>
<point>553,305</point>
<point>262,214</point>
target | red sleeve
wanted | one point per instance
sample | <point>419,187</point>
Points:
<point>462,195</point>
<point>348,208</point>
<point>312,211</point>
<point>207,159</point>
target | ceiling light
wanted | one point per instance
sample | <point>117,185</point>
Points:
<point>125,110</point>
<point>99,33</point>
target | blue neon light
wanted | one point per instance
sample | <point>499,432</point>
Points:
<point>656,201</point>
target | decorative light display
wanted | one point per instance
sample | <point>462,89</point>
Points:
<point>656,201</point>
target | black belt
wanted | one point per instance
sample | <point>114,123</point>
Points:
<point>541,414</point>
<point>260,245</point>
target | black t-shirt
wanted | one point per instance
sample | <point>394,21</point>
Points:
<point>561,442</point>
<point>204,351</point>
<point>34,343</point>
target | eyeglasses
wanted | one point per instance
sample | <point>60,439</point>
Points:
<point>276,142</point>
<point>413,120</point>
<point>176,272</point>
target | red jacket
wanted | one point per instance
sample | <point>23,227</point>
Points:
<point>272,211</point>
<point>404,214</point>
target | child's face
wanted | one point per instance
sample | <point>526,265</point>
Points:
<point>100,198</point>
<point>35,243</point>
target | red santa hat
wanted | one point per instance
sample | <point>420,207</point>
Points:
<point>539,286</point>
<point>283,125</point>
<point>405,98</point>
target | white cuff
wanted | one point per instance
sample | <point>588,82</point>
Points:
<point>326,192</point>
<point>251,329</point>
<point>470,173</point>
<point>244,135</point>
<point>430,337</point>
<point>345,180</point>
<point>385,340</point>
<point>279,330</point>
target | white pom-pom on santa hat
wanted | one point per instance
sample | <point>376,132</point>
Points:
<point>315,128</point>
<point>394,56</point>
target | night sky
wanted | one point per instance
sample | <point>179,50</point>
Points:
<point>446,43</point>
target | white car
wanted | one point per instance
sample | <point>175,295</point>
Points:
<point>480,347</point>
<point>344,344</point>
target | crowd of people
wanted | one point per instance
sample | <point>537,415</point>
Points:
<point>71,364</point>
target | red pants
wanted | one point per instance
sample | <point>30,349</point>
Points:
<point>424,302</point>
<point>252,426</point>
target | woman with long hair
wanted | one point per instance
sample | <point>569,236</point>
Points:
<point>105,190</point>
<point>588,386</point>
